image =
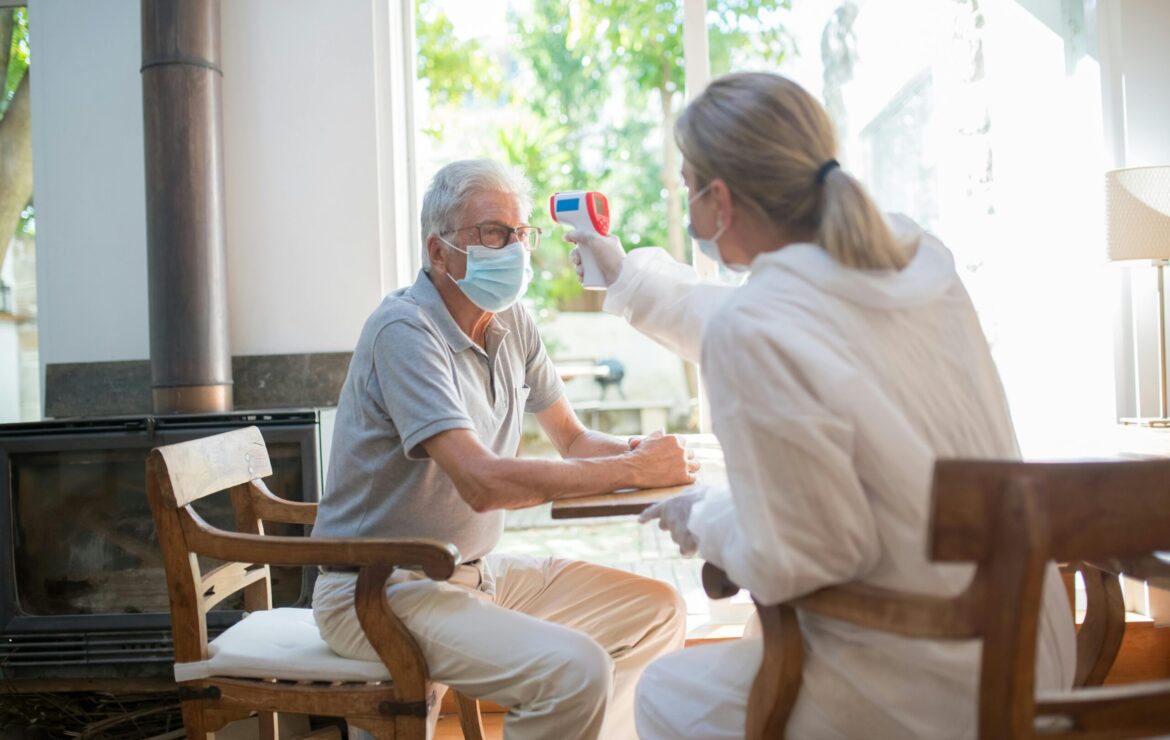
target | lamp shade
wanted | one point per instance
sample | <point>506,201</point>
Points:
<point>1137,213</point>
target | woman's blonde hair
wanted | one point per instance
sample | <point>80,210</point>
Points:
<point>767,139</point>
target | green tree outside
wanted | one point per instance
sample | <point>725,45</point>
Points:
<point>15,129</point>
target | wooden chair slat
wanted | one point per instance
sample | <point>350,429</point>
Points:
<point>910,615</point>
<point>222,582</point>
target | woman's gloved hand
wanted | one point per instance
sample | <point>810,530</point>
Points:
<point>672,515</point>
<point>607,251</point>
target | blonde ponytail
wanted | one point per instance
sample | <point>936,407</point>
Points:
<point>768,138</point>
<point>853,230</point>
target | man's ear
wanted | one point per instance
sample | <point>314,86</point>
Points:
<point>436,252</point>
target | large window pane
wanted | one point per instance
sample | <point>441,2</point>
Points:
<point>938,111</point>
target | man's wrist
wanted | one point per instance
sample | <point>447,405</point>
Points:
<point>629,472</point>
<point>592,443</point>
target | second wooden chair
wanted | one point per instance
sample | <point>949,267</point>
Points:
<point>274,660</point>
<point>1010,519</point>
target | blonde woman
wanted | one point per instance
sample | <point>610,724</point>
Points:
<point>849,361</point>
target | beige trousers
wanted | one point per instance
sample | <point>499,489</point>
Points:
<point>560,642</point>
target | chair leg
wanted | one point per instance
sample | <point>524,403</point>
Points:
<point>381,729</point>
<point>470,720</point>
<point>410,728</point>
<point>269,725</point>
<point>777,684</point>
<point>195,724</point>
<point>1099,638</point>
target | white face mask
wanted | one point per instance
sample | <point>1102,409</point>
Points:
<point>495,278</point>
<point>710,247</point>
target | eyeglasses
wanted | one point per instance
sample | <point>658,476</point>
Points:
<point>495,235</point>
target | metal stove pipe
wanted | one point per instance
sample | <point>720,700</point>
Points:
<point>190,355</point>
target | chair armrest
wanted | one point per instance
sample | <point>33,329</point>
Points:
<point>436,559</point>
<point>271,508</point>
<point>716,582</point>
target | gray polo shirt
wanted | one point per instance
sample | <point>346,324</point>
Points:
<point>414,374</point>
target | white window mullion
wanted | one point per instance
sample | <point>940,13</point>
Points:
<point>697,63</point>
<point>394,76</point>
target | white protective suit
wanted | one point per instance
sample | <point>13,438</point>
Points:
<point>832,393</point>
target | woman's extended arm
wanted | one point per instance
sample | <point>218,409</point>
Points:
<point>660,296</point>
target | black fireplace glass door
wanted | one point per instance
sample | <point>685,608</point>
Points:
<point>85,542</point>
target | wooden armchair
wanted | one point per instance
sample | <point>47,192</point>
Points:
<point>274,660</point>
<point>1010,519</point>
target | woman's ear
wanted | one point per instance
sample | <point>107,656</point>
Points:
<point>723,201</point>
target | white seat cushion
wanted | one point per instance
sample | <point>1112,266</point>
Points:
<point>278,643</point>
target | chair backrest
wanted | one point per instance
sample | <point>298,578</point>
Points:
<point>179,475</point>
<point>1012,518</point>
<point>1088,509</point>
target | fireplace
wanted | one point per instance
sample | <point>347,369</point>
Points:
<point>82,589</point>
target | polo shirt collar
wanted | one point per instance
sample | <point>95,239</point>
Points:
<point>431,303</point>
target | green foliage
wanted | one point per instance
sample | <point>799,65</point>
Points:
<point>18,55</point>
<point>28,222</point>
<point>453,70</point>
<point>646,38</point>
<point>755,26</point>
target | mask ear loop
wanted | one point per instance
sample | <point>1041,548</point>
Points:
<point>449,244</point>
<point>720,227</point>
<point>457,249</point>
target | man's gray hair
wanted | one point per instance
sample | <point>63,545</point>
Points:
<point>454,184</point>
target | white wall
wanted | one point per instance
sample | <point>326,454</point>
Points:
<point>300,171</point>
<point>310,140</point>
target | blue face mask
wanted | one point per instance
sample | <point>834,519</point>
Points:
<point>710,247</point>
<point>496,278</point>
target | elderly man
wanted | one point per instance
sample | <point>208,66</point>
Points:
<point>425,444</point>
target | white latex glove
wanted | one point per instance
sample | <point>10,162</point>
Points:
<point>607,250</point>
<point>672,515</point>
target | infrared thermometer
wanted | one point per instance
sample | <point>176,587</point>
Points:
<point>586,210</point>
